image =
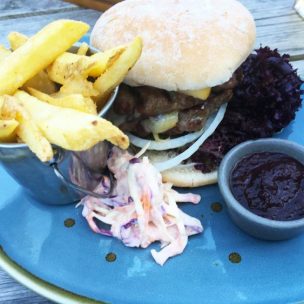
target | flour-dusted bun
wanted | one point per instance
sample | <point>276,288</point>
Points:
<point>181,176</point>
<point>188,44</point>
<point>189,177</point>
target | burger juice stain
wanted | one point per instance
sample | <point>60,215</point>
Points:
<point>111,257</point>
<point>216,207</point>
<point>69,222</point>
<point>235,258</point>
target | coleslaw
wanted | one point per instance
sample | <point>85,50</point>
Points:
<point>142,209</point>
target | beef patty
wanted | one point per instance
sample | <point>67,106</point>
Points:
<point>140,103</point>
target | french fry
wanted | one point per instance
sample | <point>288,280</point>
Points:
<point>67,117</point>
<point>29,133</point>
<point>115,74</point>
<point>38,52</point>
<point>41,81</point>
<point>16,40</point>
<point>4,52</point>
<point>77,102</point>
<point>8,108</point>
<point>68,128</point>
<point>68,66</point>
<point>1,105</point>
<point>78,85</point>
<point>73,101</point>
<point>83,49</point>
<point>27,130</point>
<point>8,124</point>
<point>103,60</point>
<point>8,130</point>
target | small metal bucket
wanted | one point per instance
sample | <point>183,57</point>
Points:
<point>50,182</point>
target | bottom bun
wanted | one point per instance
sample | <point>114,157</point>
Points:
<point>188,177</point>
<point>183,175</point>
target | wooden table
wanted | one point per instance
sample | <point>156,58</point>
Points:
<point>277,26</point>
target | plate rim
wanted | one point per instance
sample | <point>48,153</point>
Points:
<point>40,286</point>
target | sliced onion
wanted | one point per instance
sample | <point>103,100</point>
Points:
<point>167,144</point>
<point>185,166</point>
<point>211,125</point>
<point>143,150</point>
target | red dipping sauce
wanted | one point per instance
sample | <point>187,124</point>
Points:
<point>270,185</point>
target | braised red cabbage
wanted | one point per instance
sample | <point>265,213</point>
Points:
<point>264,103</point>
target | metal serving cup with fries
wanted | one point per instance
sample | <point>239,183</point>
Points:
<point>52,107</point>
<point>49,182</point>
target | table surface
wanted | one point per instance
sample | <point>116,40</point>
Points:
<point>278,25</point>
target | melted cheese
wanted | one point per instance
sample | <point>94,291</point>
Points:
<point>201,94</point>
<point>161,123</point>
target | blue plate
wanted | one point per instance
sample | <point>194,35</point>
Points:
<point>221,265</point>
<point>34,237</point>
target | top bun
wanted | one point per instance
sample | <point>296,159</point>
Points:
<point>187,44</point>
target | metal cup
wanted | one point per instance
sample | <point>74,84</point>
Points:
<point>37,178</point>
<point>50,182</point>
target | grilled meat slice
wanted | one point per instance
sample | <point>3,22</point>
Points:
<point>126,100</point>
<point>149,101</point>
<point>140,103</point>
<point>194,119</point>
<point>155,101</point>
<point>189,120</point>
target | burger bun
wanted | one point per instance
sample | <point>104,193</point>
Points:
<point>187,44</point>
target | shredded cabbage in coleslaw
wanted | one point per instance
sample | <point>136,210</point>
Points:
<point>142,209</point>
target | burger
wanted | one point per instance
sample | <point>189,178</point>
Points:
<point>175,97</point>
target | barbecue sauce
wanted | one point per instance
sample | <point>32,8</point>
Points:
<point>270,185</point>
